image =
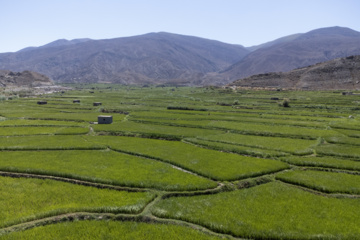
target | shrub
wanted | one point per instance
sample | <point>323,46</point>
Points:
<point>285,102</point>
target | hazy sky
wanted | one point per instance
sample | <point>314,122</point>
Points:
<point>247,22</point>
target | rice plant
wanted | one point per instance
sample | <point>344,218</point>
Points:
<point>110,230</point>
<point>233,148</point>
<point>153,130</point>
<point>325,162</point>
<point>338,150</point>
<point>294,146</point>
<point>330,182</point>
<point>268,211</point>
<point>42,130</point>
<point>48,142</point>
<point>205,162</point>
<point>24,199</point>
<point>107,167</point>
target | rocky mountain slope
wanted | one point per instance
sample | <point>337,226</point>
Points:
<point>159,58</point>
<point>297,51</point>
<point>150,58</point>
<point>340,73</point>
<point>23,79</point>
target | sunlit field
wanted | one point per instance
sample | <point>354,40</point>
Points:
<point>180,163</point>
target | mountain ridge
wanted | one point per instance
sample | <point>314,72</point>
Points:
<point>148,58</point>
<point>339,73</point>
<point>316,46</point>
<point>27,79</point>
<point>167,58</point>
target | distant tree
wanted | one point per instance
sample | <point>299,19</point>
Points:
<point>285,102</point>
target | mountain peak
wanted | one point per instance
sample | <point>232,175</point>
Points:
<point>65,42</point>
<point>308,48</point>
<point>149,58</point>
<point>162,57</point>
<point>330,32</point>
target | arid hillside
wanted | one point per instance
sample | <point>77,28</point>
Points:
<point>23,79</point>
<point>340,73</point>
<point>149,58</point>
<point>166,58</point>
<point>297,51</point>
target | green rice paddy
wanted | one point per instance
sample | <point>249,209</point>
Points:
<point>106,167</point>
<point>180,163</point>
<point>209,163</point>
<point>111,230</point>
<point>269,211</point>
<point>28,199</point>
<point>330,182</point>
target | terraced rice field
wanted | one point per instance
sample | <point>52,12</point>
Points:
<point>180,163</point>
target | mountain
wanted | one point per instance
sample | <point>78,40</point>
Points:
<point>150,58</point>
<point>58,43</point>
<point>274,42</point>
<point>296,51</point>
<point>165,58</point>
<point>23,79</point>
<point>340,73</point>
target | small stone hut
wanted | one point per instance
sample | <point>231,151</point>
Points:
<point>97,103</point>
<point>76,101</point>
<point>105,119</point>
<point>42,102</point>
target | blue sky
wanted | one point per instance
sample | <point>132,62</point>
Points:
<point>247,22</point>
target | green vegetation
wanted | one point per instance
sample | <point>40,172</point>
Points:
<point>352,124</point>
<point>274,130</point>
<point>295,146</point>
<point>60,142</point>
<point>153,131</point>
<point>28,199</point>
<point>227,163</point>
<point>103,167</point>
<point>244,150</point>
<point>210,163</point>
<point>344,140</point>
<point>326,162</point>
<point>269,211</point>
<point>21,131</point>
<point>338,150</point>
<point>36,123</point>
<point>109,230</point>
<point>331,182</point>
<point>349,132</point>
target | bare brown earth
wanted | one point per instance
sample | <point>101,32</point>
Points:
<point>153,58</point>
<point>297,51</point>
<point>173,59</point>
<point>23,79</point>
<point>340,73</point>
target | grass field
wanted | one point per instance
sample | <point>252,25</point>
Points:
<point>42,130</point>
<point>28,199</point>
<point>289,145</point>
<point>209,163</point>
<point>59,142</point>
<point>107,167</point>
<point>338,150</point>
<point>154,131</point>
<point>180,163</point>
<point>330,182</point>
<point>110,230</point>
<point>325,162</point>
<point>285,213</point>
<point>234,148</point>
